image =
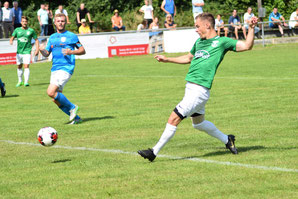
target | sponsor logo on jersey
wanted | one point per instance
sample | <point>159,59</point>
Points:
<point>28,32</point>
<point>23,39</point>
<point>214,43</point>
<point>202,54</point>
<point>63,39</point>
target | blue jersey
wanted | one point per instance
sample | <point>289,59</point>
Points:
<point>56,43</point>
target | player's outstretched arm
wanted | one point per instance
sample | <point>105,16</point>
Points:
<point>184,59</point>
<point>249,42</point>
<point>37,47</point>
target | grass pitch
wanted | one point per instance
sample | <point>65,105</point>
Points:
<point>125,103</point>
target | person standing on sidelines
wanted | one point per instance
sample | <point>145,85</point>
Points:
<point>197,8</point>
<point>24,36</point>
<point>18,14</point>
<point>62,46</point>
<point>7,19</point>
<point>205,57</point>
<point>148,13</point>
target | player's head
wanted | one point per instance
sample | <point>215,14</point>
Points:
<point>6,4</point>
<point>204,24</point>
<point>60,22</point>
<point>24,22</point>
<point>82,6</point>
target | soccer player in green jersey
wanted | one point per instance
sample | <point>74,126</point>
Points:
<point>204,58</point>
<point>24,36</point>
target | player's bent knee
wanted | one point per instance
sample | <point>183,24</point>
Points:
<point>51,93</point>
<point>199,126</point>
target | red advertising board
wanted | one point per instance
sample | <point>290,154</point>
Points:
<point>8,58</point>
<point>140,49</point>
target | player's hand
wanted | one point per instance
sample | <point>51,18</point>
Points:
<point>66,51</point>
<point>161,58</point>
<point>253,22</point>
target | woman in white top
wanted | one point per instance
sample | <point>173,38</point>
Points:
<point>154,25</point>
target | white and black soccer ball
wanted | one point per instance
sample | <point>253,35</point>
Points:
<point>47,136</point>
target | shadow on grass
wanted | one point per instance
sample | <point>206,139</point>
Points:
<point>240,150</point>
<point>61,161</point>
<point>8,96</point>
<point>97,118</point>
<point>41,84</point>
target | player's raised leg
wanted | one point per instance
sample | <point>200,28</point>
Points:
<point>55,92</point>
<point>208,127</point>
<point>19,72</point>
<point>2,87</point>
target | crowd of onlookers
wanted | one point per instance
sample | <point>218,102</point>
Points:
<point>10,18</point>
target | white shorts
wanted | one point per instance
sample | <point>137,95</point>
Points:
<point>194,100</point>
<point>60,78</point>
<point>23,59</point>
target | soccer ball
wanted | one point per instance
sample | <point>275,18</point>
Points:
<point>47,136</point>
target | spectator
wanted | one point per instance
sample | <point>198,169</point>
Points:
<point>81,14</point>
<point>142,25</point>
<point>43,19</point>
<point>275,18</point>
<point>84,28</point>
<point>50,20</point>
<point>247,16</point>
<point>1,16</point>
<point>18,13</point>
<point>154,25</point>
<point>219,24</point>
<point>234,22</point>
<point>117,21</point>
<point>7,19</point>
<point>61,10</point>
<point>148,13</point>
<point>169,23</point>
<point>294,16</point>
<point>197,7</point>
<point>168,6</point>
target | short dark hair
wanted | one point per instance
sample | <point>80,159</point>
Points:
<point>208,17</point>
<point>24,17</point>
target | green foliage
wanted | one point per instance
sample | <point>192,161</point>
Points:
<point>101,11</point>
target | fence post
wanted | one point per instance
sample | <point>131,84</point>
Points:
<point>263,35</point>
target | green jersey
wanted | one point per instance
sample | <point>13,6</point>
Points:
<point>24,37</point>
<point>208,53</point>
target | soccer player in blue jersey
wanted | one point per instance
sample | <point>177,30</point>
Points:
<point>63,45</point>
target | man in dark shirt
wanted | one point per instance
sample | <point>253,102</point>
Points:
<point>81,14</point>
<point>235,24</point>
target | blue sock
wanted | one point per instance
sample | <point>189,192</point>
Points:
<point>66,111</point>
<point>64,101</point>
<point>1,84</point>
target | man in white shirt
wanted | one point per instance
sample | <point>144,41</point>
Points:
<point>7,20</point>
<point>1,15</point>
<point>197,7</point>
<point>148,13</point>
<point>219,24</point>
<point>63,11</point>
<point>247,16</point>
<point>294,16</point>
<point>43,19</point>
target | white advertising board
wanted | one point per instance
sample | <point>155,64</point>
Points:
<point>179,40</point>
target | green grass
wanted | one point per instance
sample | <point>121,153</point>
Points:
<point>126,103</point>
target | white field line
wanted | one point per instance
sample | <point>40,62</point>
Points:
<point>251,166</point>
<point>168,76</point>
